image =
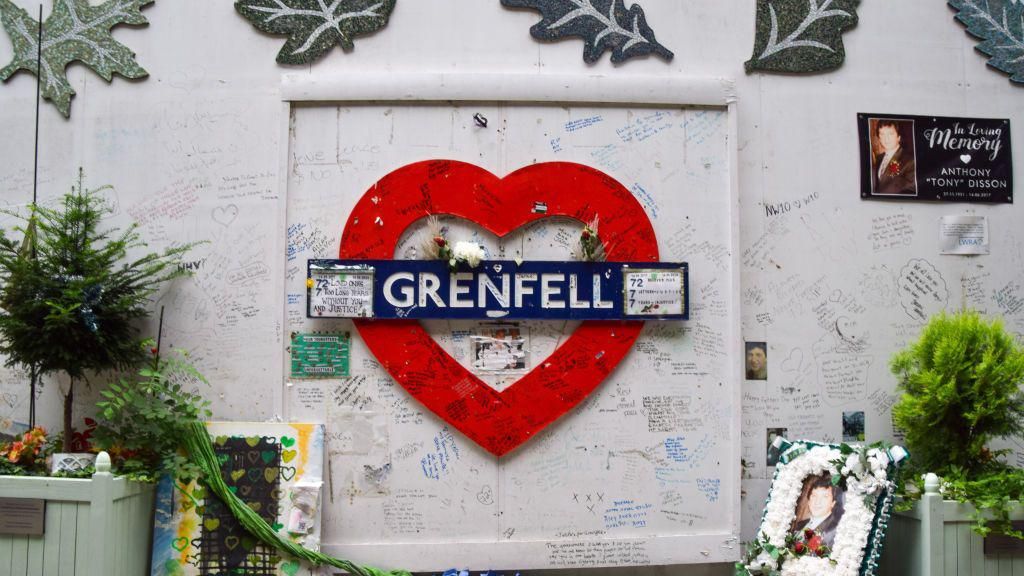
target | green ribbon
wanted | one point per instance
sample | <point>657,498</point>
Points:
<point>199,446</point>
<point>792,452</point>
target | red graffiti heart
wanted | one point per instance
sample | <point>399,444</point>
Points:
<point>498,421</point>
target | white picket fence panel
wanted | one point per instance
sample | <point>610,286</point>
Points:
<point>97,526</point>
<point>935,539</point>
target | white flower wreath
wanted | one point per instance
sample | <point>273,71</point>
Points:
<point>865,472</point>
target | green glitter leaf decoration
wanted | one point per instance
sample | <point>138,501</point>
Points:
<point>1000,24</point>
<point>314,27</point>
<point>602,24</point>
<point>801,35</point>
<point>74,31</point>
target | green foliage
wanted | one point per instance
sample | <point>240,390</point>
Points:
<point>961,388</point>
<point>142,421</point>
<point>993,493</point>
<point>70,297</point>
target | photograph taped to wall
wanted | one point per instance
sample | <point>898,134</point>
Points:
<point>853,426</point>
<point>500,349</point>
<point>756,363</point>
<point>772,451</point>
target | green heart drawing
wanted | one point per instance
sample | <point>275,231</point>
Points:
<point>248,542</point>
<point>236,474</point>
<point>179,544</point>
<point>288,473</point>
<point>254,475</point>
<point>287,442</point>
<point>231,542</point>
<point>277,526</point>
<point>288,455</point>
<point>255,506</point>
<point>221,440</point>
<point>252,441</point>
<point>268,456</point>
<point>291,568</point>
<point>211,524</point>
<point>233,489</point>
<point>222,458</point>
<point>270,474</point>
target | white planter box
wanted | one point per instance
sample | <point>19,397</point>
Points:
<point>935,539</point>
<point>97,526</point>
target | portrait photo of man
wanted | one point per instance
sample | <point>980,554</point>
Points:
<point>757,361</point>
<point>818,512</point>
<point>893,163</point>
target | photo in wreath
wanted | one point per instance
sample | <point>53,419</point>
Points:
<point>818,512</point>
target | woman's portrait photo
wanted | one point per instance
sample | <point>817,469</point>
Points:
<point>818,512</point>
<point>893,166</point>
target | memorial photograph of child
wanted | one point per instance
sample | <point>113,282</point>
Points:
<point>818,512</point>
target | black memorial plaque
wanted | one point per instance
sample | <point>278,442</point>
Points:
<point>904,157</point>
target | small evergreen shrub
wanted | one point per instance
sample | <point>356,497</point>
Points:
<point>70,297</point>
<point>961,389</point>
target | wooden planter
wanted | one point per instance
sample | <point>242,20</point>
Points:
<point>935,539</point>
<point>97,526</point>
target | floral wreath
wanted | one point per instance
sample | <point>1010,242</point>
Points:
<point>865,473</point>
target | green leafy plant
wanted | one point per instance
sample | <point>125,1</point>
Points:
<point>69,294</point>
<point>961,389</point>
<point>142,420</point>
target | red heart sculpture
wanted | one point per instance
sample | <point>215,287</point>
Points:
<point>498,421</point>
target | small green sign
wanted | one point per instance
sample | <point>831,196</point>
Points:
<point>320,354</point>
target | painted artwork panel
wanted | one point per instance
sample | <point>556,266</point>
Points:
<point>264,464</point>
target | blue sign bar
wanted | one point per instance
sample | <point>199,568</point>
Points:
<point>498,290</point>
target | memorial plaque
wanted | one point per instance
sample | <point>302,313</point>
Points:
<point>345,292</point>
<point>659,292</point>
<point>22,516</point>
<point>320,355</point>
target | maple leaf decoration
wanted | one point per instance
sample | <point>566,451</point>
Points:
<point>74,31</point>
<point>603,25</point>
<point>314,27</point>
<point>1000,26</point>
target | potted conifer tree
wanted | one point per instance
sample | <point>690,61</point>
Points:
<point>71,292</point>
<point>70,296</point>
